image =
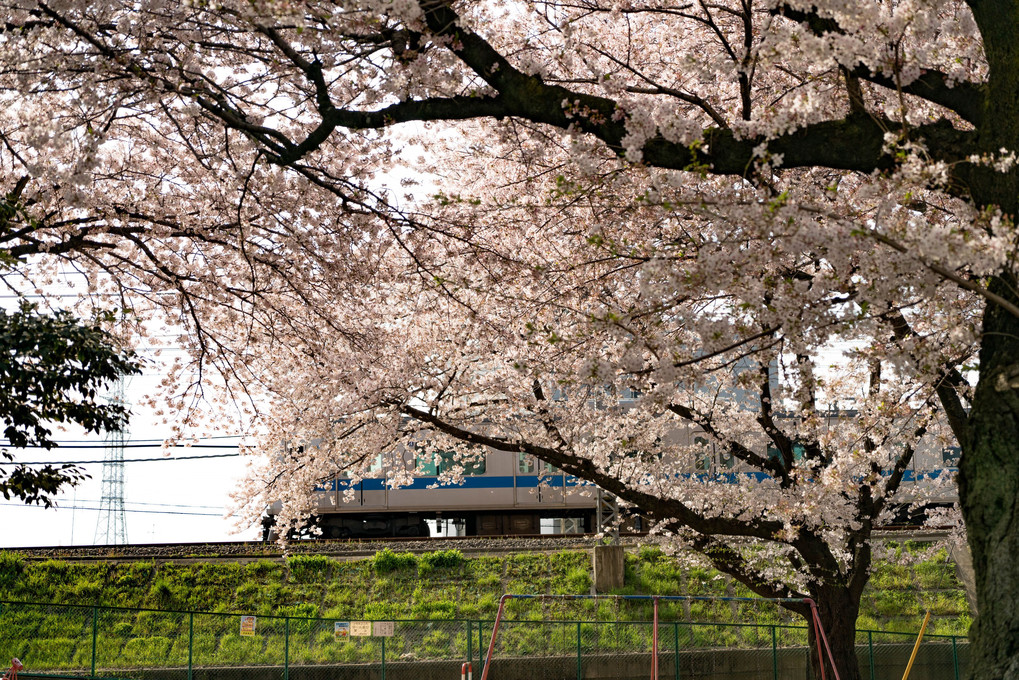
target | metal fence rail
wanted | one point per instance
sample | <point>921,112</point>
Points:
<point>110,642</point>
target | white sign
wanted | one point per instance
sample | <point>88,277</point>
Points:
<point>360,628</point>
<point>383,628</point>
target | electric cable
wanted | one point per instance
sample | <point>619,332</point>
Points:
<point>126,460</point>
<point>143,512</point>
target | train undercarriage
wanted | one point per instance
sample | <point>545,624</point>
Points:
<point>460,523</point>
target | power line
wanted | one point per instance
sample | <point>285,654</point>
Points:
<point>146,512</point>
<point>72,295</point>
<point>160,505</point>
<point>127,446</point>
<point>128,443</point>
<point>126,460</point>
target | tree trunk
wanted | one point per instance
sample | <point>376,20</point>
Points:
<point>989,493</point>
<point>838,609</point>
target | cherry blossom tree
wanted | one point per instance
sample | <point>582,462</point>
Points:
<point>681,200</point>
<point>700,400</point>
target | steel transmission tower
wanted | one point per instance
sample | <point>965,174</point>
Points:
<point>111,528</point>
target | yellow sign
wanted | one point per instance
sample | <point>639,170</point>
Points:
<point>248,625</point>
<point>360,628</point>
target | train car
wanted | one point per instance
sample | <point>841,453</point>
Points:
<point>502,493</point>
<point>511,493</point>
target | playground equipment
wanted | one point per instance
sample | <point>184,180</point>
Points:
<point>12,672</point>
<point>823,649</point>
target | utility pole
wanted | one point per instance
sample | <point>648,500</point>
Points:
<point>111,527</point>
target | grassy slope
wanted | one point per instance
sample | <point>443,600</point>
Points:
<point>445,585</point>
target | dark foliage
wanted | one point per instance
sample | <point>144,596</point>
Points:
<point>53,368</point>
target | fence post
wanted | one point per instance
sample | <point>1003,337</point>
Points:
<point>580,672</point>
<point>675,635</point>
<point>383,658</point>
<point>774,653</point>
<point>191,644</point>
<point>955,658</point>
<point>470,641</point>
<point>95,635</point>
<point>870,649</point>
<point>286,648</point>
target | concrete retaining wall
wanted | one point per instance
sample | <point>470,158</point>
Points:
<point>933,663</point>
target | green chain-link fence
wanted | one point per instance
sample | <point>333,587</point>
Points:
<point>108,642</point>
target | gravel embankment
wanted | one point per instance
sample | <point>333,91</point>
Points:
<point>340,549</point>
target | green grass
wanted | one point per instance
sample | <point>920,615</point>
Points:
<point>437,588</point>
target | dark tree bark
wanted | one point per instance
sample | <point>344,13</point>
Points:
<point>837,608</point>
<point>989,493</point>
<point>989,468</point>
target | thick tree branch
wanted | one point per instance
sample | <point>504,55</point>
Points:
<point>965,99</point>
<point>424,110</point>
<point>949,381</point>
<point>656,507</point>
<point>767,421</point>
<point>853,143</point>
<point>743,453</point>
<point>727,560</point>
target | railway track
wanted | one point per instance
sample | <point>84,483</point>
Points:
<point>338,548</point>
<point>360,548</point>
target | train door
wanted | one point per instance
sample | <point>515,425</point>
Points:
<point>371,491</point>
<point>538,483</point>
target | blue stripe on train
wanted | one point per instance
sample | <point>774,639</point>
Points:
<point>559,481</point>
<point>479,482</point>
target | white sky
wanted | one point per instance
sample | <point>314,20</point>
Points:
<point>156,494</point>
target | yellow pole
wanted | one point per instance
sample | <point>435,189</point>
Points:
<point>916,647</point>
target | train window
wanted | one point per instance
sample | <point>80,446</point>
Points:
<point>799,450</point>
<point>628,393</point>
<point>376,465</point>
<point>426,465</point>
<point>447,461</point>
<point>703,460</point>
<point>526,464</point>
<point>726,460</point>
<point>529,465</point>
<point>431,464</point>
<point>950,455</point>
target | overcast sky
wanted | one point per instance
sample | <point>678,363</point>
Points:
<point>166,500</point>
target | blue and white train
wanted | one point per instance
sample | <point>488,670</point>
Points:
<point>500,495</point>
<point>511,493</point>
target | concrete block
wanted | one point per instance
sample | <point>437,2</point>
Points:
<point>608,567</point>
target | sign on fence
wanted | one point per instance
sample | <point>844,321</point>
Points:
<point>383,628</point>
<point>360,628</point>
<point>248,625</point>
<point>341,629</point>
